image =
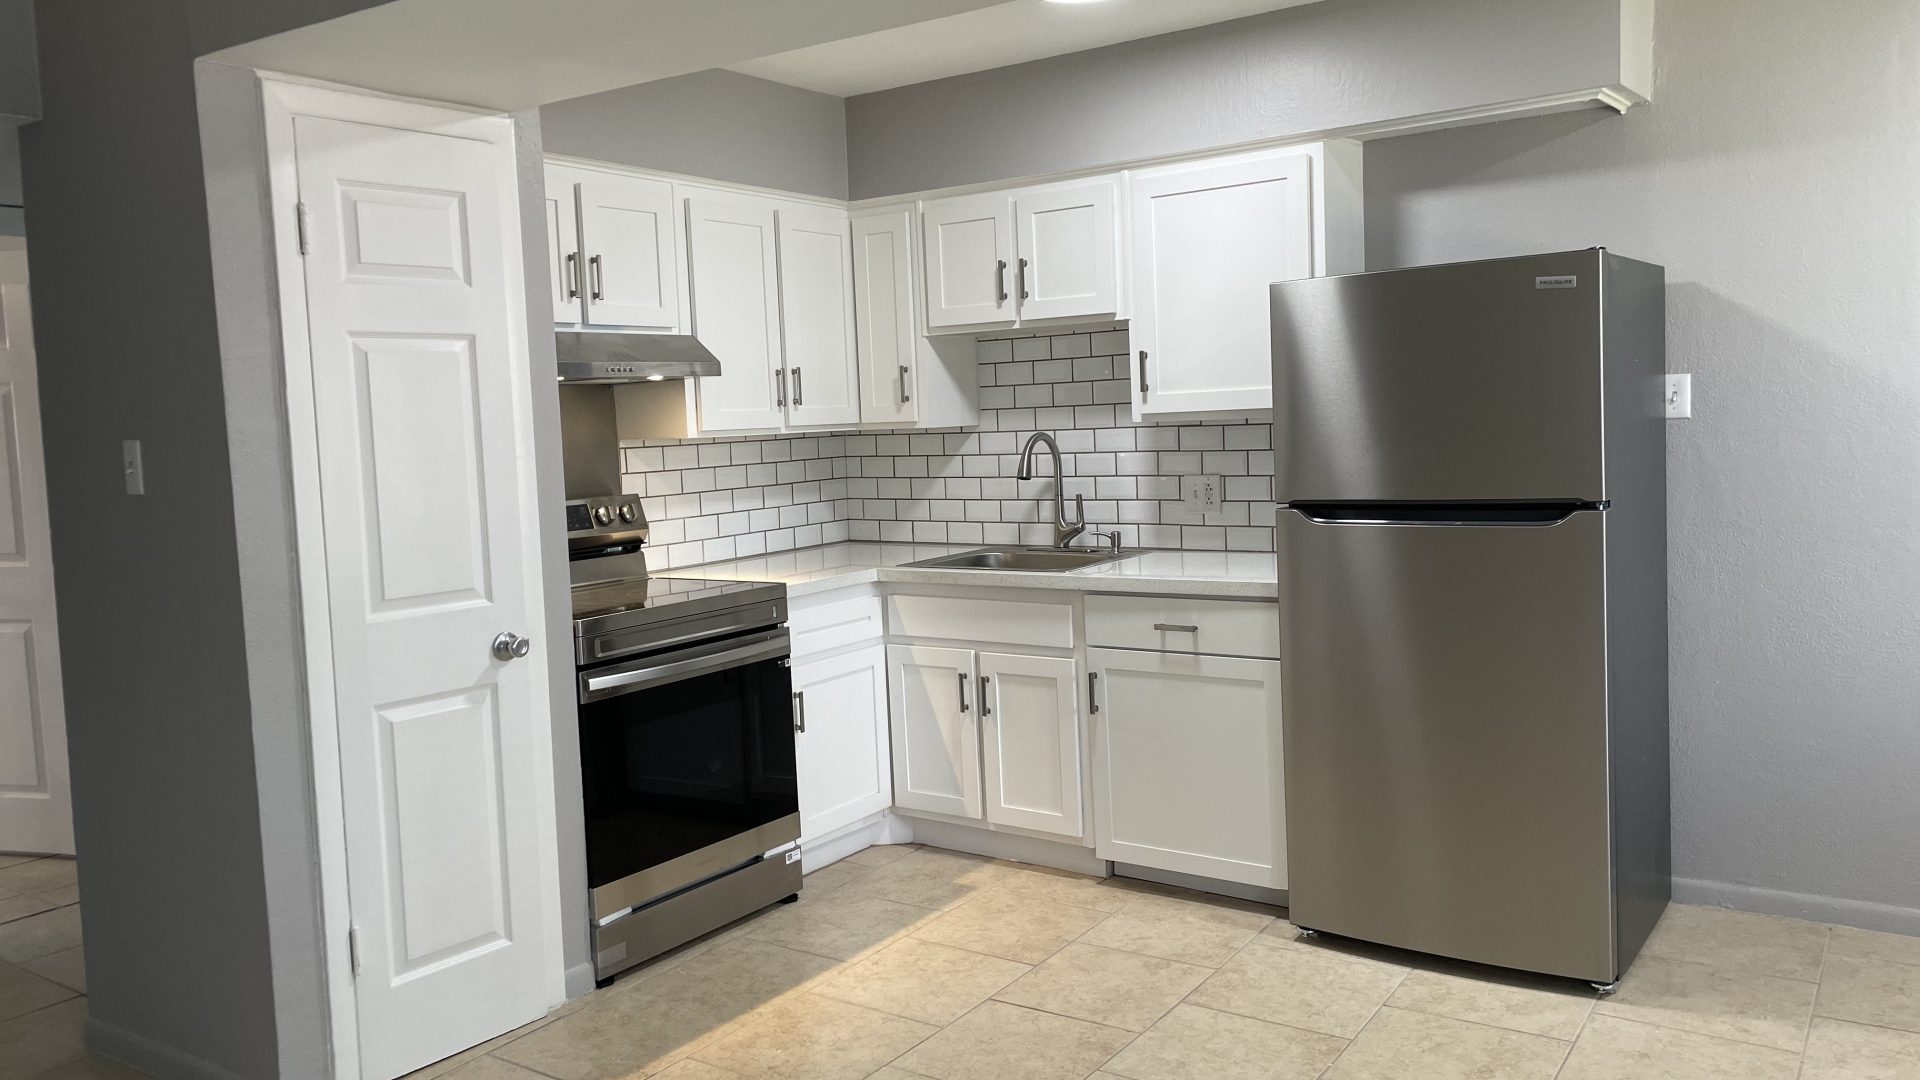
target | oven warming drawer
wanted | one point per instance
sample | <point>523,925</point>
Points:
<point>639,888</point>
<point>644,934</point>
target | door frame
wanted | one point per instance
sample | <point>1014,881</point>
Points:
<point>283,98</point>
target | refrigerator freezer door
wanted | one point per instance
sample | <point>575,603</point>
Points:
<point>1477,381</point>
<point>1445,711</point>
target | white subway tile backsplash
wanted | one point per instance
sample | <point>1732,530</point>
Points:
<point>711,499</point>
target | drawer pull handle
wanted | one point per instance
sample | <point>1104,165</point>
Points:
<point>1178,628</point>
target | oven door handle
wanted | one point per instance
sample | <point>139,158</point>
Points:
<point>651,672</point>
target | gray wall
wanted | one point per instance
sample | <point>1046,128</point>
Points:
<point>717,124</point>
<point>19,75</point>
<point>1786,221</point>
<point>1299,70</point>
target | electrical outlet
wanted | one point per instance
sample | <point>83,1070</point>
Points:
<point>1679,397</point>
<point>1200,494</point>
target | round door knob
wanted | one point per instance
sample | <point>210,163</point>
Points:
<point>511,646</point>
<point>603,514</point>
<point>627,513</point>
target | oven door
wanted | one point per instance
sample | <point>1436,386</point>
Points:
<point>687,758</point>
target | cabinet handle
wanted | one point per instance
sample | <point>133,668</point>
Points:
<point>599,290</point>
<point>1093,692</point>
<point>796,386</point>
<point>1003,282</point>
<point>986,707</point>
<point>780,387</point>
<point>573,275</point>
<point>1023,280</point>
<point>1178,628</point>
<point>904,396</point>
<point>800,711</point>
<point>1143,375</point>
<point>963,691</point>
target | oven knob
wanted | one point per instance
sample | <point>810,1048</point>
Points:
<point>603,514</point>
<point>627,513</point>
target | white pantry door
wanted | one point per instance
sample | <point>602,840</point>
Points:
<point>36,809</point>
<point>423,423</point>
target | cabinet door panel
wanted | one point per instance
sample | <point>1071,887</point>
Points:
<point>736,312</point>
<point>969,244</point>
<point>1207,242</point>
<point>1187,765</point>
<point>935,730</point>
<point>883,316</point>
<point>816,314</point>
<point>843,756</point>
<point>629,271</point>
<point>562,210</point>
<point>1030,728</point>
<point>1067,253</point>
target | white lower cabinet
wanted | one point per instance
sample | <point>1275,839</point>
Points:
<point>1186,758</point>
<point>840,712</point>
<point>1030,730</point>
<point>936,732</point>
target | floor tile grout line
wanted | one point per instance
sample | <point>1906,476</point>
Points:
<point>1813,1007</point>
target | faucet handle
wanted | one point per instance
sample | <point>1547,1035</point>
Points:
<point>1080,511</point>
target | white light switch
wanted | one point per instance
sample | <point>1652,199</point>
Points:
<point>1679,397</point>
<point>130,465</point>
<point>1200,494</point>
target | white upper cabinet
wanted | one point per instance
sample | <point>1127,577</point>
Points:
<point>1207,240</point>
<point>1041,254</point>
<point>817,316</point>
<point>733,250</point>
<point>1030,733</point>
<point>1067,252</point>
<point>969,244</point>
<point>883,315</point>
<point>613,252</point>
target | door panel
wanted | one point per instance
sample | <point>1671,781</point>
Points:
<point>419,397</point>
<point>1446,738</point>
<point>1207,242</point>
<point>816,317</point>
<point>969,246</point>
<point>1186,755</point>
<point>1419,384</point>
<point>1067,248</point>
<point>631,274</point>
<point>935,730</point>
<point>732,248</point>
<point>845,767</point>
<point>36,810</point>
<point>1030,726</point>
<point>564,259</point>
<point>883,316</point>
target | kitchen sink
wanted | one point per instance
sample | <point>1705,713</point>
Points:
<point>1030,559</point>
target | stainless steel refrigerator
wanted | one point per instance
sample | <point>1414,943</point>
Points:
<point>1471,469</point>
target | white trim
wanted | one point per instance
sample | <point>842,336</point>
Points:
<point>283,98</point>
<point>1828,909</point>
<point>996,844</point>
<point>705,183</point>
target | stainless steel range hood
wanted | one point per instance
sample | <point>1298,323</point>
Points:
<point>588,358</point>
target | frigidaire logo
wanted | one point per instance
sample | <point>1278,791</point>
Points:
<point>1565,281</point>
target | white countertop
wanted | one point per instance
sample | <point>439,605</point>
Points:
<point>1250,575</point>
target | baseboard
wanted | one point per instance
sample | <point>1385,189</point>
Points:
<point>1011,846</point>
<point>155,1059</point>
<point>1828,909</point>
<point>1259,894</point>
<point>579,980</point>
<point>835,846</point>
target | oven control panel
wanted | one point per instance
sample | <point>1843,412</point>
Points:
<point>605,518</point>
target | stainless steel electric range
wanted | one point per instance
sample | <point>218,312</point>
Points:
<point>686,742</point>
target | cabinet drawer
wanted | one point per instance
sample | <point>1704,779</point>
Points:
<point>1164,624</point>
<point>833,625</point>
<point>1001,622</point>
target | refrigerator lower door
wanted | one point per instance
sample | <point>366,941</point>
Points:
<point>1445,726</point>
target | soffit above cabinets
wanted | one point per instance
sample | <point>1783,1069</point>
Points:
<point>989,37</point>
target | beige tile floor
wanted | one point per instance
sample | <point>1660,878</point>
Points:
<point>907,963</point>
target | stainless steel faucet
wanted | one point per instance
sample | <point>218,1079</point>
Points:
<point>1064,531</point>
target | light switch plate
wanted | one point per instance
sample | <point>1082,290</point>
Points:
<point>136,473</point>
<point>1200,494</point>
<point>1679,397</point>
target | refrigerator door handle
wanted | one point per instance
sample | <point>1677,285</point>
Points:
<point>1477,515</point>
